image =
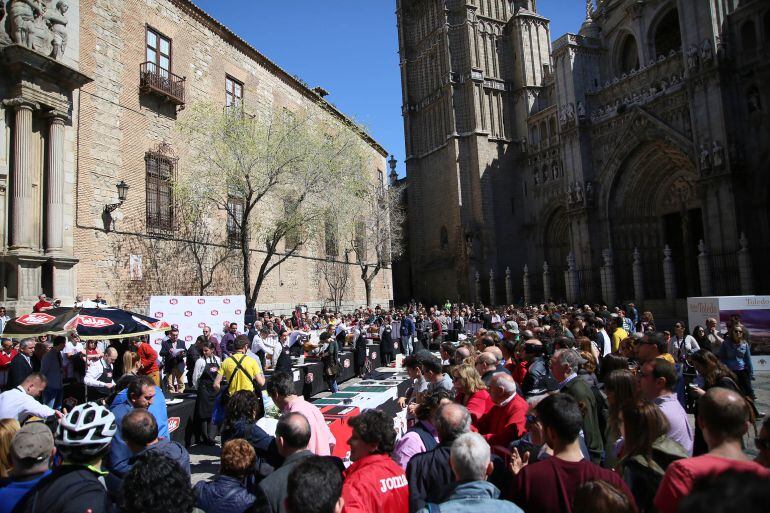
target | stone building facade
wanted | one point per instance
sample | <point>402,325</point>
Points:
<point>128,70</point>
<point>625,161</point>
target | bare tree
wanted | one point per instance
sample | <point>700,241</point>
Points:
<point>270,174</point>
<point>376,235</point>
<point>336,275</point>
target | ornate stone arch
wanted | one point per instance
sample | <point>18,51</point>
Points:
<point>662,17</point>
<point>620,49</point>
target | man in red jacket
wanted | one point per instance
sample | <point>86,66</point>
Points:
<point>374,483</point>
<point>505,422</point>
<point>148,360</point>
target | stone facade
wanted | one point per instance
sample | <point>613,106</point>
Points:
<point>598,162</point>
<point>111,125</point>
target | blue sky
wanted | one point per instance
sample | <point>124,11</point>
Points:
<point>349,47</point>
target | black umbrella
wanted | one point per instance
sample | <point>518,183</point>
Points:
<point>90,323</point>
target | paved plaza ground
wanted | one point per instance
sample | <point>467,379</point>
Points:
<point>205,460</point>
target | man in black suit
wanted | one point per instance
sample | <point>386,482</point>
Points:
<point>22,364</point>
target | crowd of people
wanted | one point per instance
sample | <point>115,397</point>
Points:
<point>548,408</point>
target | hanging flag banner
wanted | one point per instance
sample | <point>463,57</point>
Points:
<point>191,313</point>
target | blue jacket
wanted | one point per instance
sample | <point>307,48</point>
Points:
<point>474,497</point>
<point>736,357</point>
<point>224,494</point>
<point>119,452</point>
<point>407,327</point>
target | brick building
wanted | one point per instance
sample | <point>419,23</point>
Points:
<point>104,111</point>
<point>621,162</point>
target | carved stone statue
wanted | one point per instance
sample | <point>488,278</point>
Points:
<point>570,112</point>
<point>581,110</point>
<point>692,57</point>
<point>718,154</point>
<point>563,115</point>
<point>23,14</point>
<point>40,25</point>
<point>589,192</point>
<point>4,39</point>
<point>706,51</point>
<point>705,157</point>
<point>578,192</point>
<point>57,21</point>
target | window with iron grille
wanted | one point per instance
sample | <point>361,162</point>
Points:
<point>233,92</point>
<point>160,174</point>
<point>235,206</point>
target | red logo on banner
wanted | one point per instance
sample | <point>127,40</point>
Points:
<point>346,363</point>
<point>173,424</point>
<point>201,301</point>
<point>173,301</point>
<point>237,312</point>
<point>201,325</point>
<point>188,338</point>
<point>88,321</point>
<point>226,301</point>
<point>159,315</point>
<point>188,313</point>
<point>214,313</point>
<point>35,319</point>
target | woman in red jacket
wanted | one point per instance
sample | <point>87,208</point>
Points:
<point>471,391</point>
<point>374,483</point>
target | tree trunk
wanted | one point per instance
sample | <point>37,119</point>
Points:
<point>368,289</point>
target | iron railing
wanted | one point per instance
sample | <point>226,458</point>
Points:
<point>154,79</point>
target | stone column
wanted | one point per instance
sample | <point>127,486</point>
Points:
<point>22,196</point>
<point>54,204</point>
<point>669,277</point>
<point>546,283</point>
<point>571,279</point>
<point>492,288</point>
<point>638,277</point>
<point>508,287</point>
<point>744,266</point>
<point>478,288</point>
<point>608,278</point>
<point>704,269</point>
<point>526,285</point>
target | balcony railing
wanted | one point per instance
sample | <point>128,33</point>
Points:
<point>154,79</point>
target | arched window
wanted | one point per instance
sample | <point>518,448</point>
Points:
<point>667,34</point>
<point>444,238</point>
<point>552,126</point>
<point>543,133</point>
<point>748,37</point>
<point>628,57</point>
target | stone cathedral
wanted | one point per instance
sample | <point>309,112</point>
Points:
<point>627,161</point>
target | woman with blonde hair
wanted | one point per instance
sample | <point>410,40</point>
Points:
<point>471,391</point>
<point>131,363</point>
<point>8,428</point>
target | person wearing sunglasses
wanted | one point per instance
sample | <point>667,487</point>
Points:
<point>735,353</point>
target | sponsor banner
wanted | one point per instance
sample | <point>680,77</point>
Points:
<point>755,316</point>
<point>192,313</point>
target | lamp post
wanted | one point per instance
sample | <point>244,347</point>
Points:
<point>122,187</point>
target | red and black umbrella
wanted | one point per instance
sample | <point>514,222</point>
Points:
<point>90,323</point>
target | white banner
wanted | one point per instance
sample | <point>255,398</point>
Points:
<point>191,313</point>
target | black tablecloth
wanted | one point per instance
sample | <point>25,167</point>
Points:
<point>348,368</point>
<point>317,384</point>
<point>180,417</point>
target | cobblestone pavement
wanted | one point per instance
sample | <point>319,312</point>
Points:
<point>204,461</point>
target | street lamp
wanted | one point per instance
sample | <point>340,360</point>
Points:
<point>122,194</point>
